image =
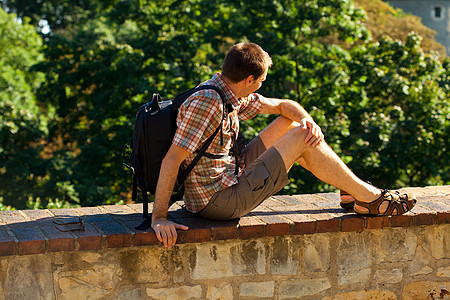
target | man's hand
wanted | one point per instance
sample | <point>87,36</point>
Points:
<point>315,135</point>
<point>166,231</point>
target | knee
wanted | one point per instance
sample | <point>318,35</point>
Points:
<point>288,123</point>
<point>298,133</point>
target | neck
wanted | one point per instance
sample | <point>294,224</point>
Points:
<point>234,87</point>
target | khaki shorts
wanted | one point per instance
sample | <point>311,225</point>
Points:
<point>263,176</point>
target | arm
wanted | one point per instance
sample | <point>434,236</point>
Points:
<point>166,230</point>
<point>295,112</point>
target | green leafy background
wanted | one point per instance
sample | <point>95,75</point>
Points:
<point>68,95</point>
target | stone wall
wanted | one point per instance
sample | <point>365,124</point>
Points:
<point>405,257</point>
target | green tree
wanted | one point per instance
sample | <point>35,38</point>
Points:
<point>58,15</point>
<point>376,102</point>
<point>22,125</point>
<point>400,135</point>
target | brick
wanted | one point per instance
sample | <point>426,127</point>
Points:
<point>377,222</point>
<point>352,223</point>
<point>182,236</point>
<point>435,205</point>
<point>137,207</point>
<point>225,233</point>
<point>301,224</point>
<point>93,214</point>
<point>423,215</point>
<point>199,235</point>
<point>250,227</point>
<point>7,244</point>
<point>270,202</point>
<point>40,216</point>
<point>64,212</point>
<point>89,239</point>
<point>31,241</point>
<point>116,209</point>
<point>57,240</point>
<point>276,225</point>
<point>405,220</point>
<point>143,238</point>
<point>199,229</point>
<point>117,236</point>
<point>13,218</point>
<point>327,225</point>
<point>326,222</point>
<point>443,217</point>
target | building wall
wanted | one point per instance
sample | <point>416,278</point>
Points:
<point>390,263</point>
<point>434,14</point>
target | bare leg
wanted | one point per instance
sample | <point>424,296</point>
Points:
<point>322,161</point>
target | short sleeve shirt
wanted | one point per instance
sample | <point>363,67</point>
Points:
<point>198,118</point>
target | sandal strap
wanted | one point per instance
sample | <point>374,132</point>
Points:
<point>401,203</point>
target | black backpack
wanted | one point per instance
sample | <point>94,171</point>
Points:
<point>154,129</point>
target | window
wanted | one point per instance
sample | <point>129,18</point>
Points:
<point>437,12</point>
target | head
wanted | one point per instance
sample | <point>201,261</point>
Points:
<point>244,60</point>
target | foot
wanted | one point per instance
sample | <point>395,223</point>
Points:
<point>389,203</point>
<point>347,200</point>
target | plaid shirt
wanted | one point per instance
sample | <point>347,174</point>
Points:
<point>198,118</point>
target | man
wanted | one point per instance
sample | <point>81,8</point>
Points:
<point>213,189</point>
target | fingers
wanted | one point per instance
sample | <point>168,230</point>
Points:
<point>166,232</point>
<point>180,226</point>
<point>315,135</point>
<point>168,236</point>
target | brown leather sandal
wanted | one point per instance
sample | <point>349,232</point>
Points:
<point>398,204</point>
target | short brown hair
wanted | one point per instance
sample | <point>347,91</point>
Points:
<point>243,60</point>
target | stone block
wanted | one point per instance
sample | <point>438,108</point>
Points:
<point>303,287</point>
<point>217,260</point>
<point>258,289</point>
<point>28,277</point>
<point>422,271</point>
<point>284,258</point>
<point>420,264</point>
<point>85,275</point>
<point>249,257</point>
<point>175,293</point>
<point>135,294</point>
<point>435,240</point>
<point>316,253</point>
<point>211,260</point>
<point>219,293</point>
<point>143,265</point>
<point>364,295</point>
<point>392,245</point>
<point>443,272</point>
<point>388,276</point>
<point>426,290</point>
<point>354,259</point>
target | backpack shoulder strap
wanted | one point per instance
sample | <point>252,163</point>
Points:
<point>201,151</point>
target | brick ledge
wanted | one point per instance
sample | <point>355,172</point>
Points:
<point>33,231</point>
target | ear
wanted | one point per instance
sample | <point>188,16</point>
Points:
<point>249,80</point>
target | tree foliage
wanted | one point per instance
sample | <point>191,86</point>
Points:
<point>21,123</point>
<point>382,104</point>
<point>382,19</point>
